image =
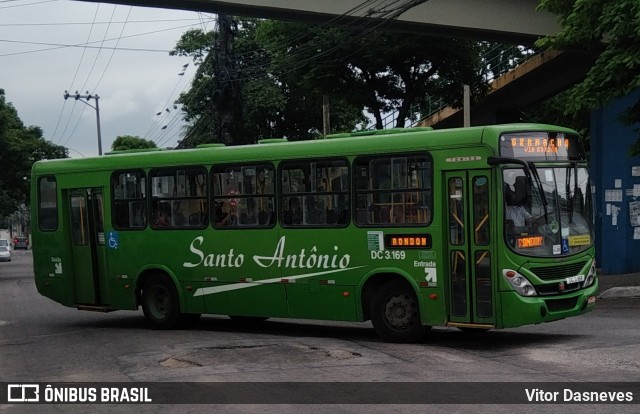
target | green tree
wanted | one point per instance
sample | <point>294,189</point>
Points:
<point>287,68</point>
<point>20,147</point>
<point>273,106</point>
<point>127,142</point>
<point>380,71</point>
<point>609,26</point>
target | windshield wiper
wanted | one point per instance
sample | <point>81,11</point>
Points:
<point>535,174</point>
<point>567,184</point>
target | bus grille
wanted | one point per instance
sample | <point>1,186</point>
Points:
<point>554,288</point>
<point>558,272</point>
<point>555,305</point>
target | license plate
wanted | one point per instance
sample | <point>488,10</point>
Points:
<point>591,300</point>
<point>575,279</point>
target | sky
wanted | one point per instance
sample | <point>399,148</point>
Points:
<point>120,53</point>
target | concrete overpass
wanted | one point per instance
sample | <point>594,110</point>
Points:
<point>538,78</point>
<point>508,21</point>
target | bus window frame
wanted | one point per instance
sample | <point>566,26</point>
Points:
<point>219,168</point>
<point>145,199</point>
<point>57,202</point>
<point>281,195</point>
<point>428,189</point>
<point>151,200</point>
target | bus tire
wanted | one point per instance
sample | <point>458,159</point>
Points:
<point>160,303</point>
<point>395,313</point>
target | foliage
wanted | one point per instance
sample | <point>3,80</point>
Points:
<point>380,71</point>
<point>285,69</point>
<point>20,147</point>
<point>271,106</point>
<point>127,142</point>
<point>552,111</point>
<point>613,27</point>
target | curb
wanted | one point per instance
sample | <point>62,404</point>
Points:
<point>621,292</point>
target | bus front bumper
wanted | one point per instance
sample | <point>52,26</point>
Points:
<point>520,310</point>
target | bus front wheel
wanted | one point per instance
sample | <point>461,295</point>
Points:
<point>395,313</point>
<point>160,302</point>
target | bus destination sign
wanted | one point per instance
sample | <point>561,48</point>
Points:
<point>529,242</point>
<point>407,241</point>
<point>540,145</point>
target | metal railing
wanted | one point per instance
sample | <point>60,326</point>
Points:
<point>494,63</point>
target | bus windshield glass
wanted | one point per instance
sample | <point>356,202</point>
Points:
<point>549,212</point>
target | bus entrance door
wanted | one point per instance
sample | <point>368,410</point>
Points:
<point>470,276</point>
<point>87,245</point>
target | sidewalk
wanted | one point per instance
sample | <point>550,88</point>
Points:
<point>619,286</point>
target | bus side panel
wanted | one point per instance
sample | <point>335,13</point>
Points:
<point>52,260</point>
<point>316,301</point>
<point>53,269</point>
<point>248,299</point>
<point>433,300</point>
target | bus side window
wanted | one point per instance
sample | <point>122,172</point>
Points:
<point>243,195</point>
<point>128,190</point>
<point>393,190</point>
<point>315,193</point>
<point>47,204</point>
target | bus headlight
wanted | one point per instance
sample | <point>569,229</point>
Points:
<point>591,277</point>
<point>518,282</point>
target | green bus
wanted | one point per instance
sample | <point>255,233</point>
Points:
<point>476,228</point>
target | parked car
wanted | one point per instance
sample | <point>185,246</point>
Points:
<point>4,242</point>
<point>5,254</point>
<point>20,242</point>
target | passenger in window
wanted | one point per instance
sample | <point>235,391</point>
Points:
<point>163,215</point>
<point>294,214</point>
<point>383,182</point>
<point>178,217</point>
<point>262,181</point>
<point>398,214</point>
<point>229,213</point>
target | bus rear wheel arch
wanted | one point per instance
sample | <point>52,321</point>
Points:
<point>395,312</point>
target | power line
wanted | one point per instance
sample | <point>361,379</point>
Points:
<point>199,20</point>
<point>113,51</point>
<point>24,5</point>
<point>95,15</point>
<point>79,45</point>
<point>86,44</point>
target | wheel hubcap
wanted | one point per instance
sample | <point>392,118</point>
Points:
<point>160,303</point>
<point>399,312</point>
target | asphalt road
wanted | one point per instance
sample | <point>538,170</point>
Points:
<point>41,341</point>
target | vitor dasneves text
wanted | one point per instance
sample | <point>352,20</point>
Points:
<point>569,395</point>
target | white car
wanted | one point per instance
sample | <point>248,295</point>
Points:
<point>5,254</point>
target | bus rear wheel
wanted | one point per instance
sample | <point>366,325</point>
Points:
<point>160,303</point>
<point>395,313</point>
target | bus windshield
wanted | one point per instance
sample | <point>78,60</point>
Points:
<point>549,211</point>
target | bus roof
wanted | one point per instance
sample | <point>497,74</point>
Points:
<point>338,145</point>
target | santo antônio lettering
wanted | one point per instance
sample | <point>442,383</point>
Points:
<point>302,259</point>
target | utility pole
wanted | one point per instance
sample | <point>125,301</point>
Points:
<point>227,96</point>
<point>88,97</point>
<point>326,115</point>
<point>466,106</point>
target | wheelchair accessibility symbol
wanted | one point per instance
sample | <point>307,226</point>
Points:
<point>114,239</point>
